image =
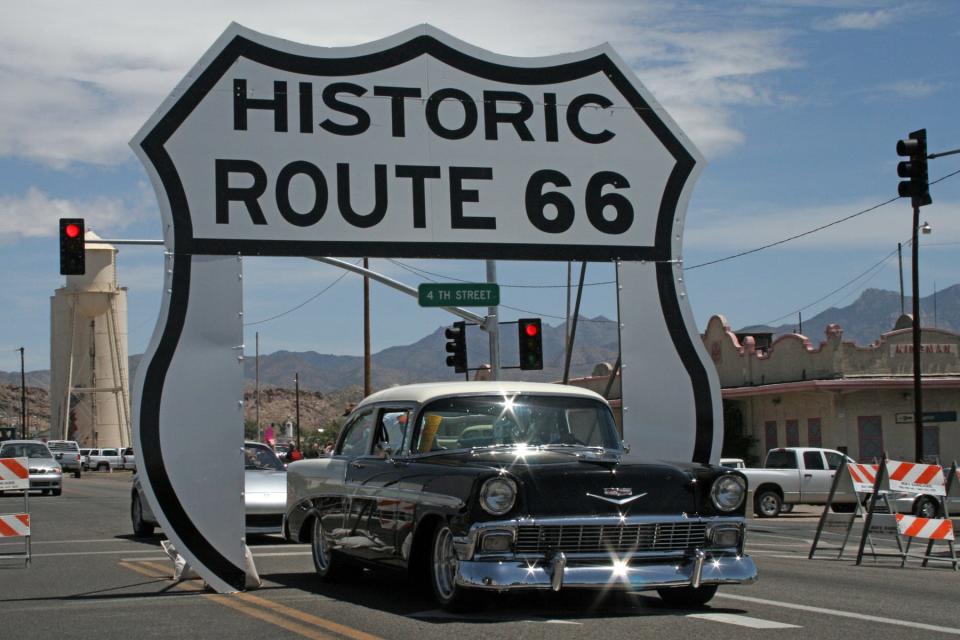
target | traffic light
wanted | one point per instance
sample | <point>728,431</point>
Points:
<point>531,343</point>
<point>917,187</point>
<point>457,346</point>
<point>73,261</point>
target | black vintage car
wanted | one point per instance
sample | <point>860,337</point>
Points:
<point>507,485</point>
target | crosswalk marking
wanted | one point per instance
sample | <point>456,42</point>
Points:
<point>742,621</point>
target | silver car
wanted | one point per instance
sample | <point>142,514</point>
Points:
<point>45,472</point>
<point>265,494</point>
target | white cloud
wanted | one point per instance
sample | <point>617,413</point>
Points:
<point>859,20</point>
<point>35,213</point>
<point>905,89</point>
<point>77,90</point>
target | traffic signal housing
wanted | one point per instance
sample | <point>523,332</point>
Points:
<point>457,346</point>
<point>917,186</point>
<point>73,258</point>
<point>530,337</point>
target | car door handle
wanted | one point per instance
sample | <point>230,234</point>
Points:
<point>356,464</point>
<point>808,475</point>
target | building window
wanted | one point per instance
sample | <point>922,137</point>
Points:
<point>770,434</point>
<point>871,438</point>
<point>793,433</point>
<point>931,444</point>
<point>814,437</point>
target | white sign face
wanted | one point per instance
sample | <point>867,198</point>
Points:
<point>418,145</point>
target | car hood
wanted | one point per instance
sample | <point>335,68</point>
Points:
<point>256,481</point>
<point>43,463</point>
<point>582,482</point>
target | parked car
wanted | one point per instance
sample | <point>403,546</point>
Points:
<point>797,475</point>
<point>85,459</point>
<point>503,486</point>
<point>67,453</point>
<point>925,505</point>
<point>45,472</point>
<point>104,459</point>
<point>128,459</point>
<point>265,494</point>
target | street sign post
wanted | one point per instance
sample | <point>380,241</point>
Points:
<point>477,294</point>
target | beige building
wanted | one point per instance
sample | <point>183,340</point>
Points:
<point>838,394</point>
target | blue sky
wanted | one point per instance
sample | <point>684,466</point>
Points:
<point>797,107</point>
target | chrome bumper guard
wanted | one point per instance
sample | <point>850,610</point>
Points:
<point>633,572</point>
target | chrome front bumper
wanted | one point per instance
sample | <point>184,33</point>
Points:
<point>622,571</point>
<point>702,568</point>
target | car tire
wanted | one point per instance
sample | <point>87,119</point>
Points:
<point>688,597</point>
<point>843,507</point>
<point>926,507</point>
<point>443,571</point>
<point>58,491</point>
<point>327,562</point>
<point>103,466</point>
<point>141,528</point>
<point>76,474</point>
<point>767,504</point>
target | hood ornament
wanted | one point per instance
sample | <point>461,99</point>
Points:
<point>618,495</point>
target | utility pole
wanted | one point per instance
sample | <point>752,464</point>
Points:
<point>23,399</point>
<point>367,385</point>
<point>900,260</point>
<point>296,386</point>
<point>917,387</point>
<point>256,368</point>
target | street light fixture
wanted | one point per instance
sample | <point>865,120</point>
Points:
<point>926,228</point>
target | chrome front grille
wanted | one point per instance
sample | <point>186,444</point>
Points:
<point>606,538</point>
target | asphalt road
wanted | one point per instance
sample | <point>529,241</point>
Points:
<point>90,578</point>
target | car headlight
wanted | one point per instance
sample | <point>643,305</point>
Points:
<point>728,492</point>
<point>497,495</point>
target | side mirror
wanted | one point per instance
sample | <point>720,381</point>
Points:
<point>626,447</point>
<point>59,456</point>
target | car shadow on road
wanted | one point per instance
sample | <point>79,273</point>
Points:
<point>393,593</point>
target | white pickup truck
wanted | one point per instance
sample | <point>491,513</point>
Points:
<point>796,475</point>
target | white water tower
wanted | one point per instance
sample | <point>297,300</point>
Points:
<point>89,381</point>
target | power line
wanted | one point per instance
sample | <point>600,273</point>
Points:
<point>840,288</point>
<point>807,233</point>
<point>302,304</point>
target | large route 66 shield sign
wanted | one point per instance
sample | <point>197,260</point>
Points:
<point>418,145</point>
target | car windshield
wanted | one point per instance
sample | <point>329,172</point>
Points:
<point>261,458</point>
<point>25,450</point>
<point>500,421</point>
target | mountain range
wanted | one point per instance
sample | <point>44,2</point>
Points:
<point>874,312</point>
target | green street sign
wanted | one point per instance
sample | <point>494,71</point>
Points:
<point>478,294</point>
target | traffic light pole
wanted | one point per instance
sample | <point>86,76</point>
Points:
<point>917,387</point>
<point>493,329</point>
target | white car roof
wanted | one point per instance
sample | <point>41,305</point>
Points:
<point>425,392</point>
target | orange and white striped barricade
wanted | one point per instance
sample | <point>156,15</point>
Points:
<point>905,477</point>
<point>15,476</point>
<point>849,478</point>
<point>951,490</point>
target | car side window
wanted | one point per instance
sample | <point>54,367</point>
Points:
<point>780,459</point>
<point>356,437</point>
<point>834,460</point>
<point>812,460</point>
<point>392,430</point>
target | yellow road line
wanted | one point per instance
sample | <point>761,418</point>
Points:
<point>157,570</point>
<point>142,571</point>
<point>307,632</point>
<point>306,617</point>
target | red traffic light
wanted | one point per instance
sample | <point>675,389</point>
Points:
<point>532,330</point>
<point>72,230</point>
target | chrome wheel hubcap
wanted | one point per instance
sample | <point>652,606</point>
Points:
<point>445,564</point>
<point>321,550</point>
